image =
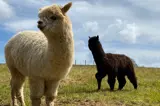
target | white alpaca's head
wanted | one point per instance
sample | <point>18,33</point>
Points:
<point>53,19</point>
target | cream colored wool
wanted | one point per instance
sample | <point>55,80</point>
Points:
<point>45,57</point>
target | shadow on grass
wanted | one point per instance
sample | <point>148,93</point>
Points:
<point>93,91</point>
<point>80,91</point>
<point>5,104</point>
<point>115,90</point>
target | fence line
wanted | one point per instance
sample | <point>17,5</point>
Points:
<point>84,62</point>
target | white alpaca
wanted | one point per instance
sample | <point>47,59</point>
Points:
<point>44,57</point>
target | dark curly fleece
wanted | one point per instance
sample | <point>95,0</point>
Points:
<point>113,65</point>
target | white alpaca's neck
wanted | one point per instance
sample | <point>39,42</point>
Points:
<point>60,48</point>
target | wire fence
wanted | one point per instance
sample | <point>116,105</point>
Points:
<point>84,62</point>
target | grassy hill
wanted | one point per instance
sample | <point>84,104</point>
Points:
<point>79,89</point>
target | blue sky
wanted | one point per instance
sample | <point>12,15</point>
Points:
<point>130,27</point>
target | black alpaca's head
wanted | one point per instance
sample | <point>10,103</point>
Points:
<point>93,42</point>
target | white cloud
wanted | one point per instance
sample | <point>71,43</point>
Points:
<point>91,26</point>
<point>130,33</point>
<point>6,11</point>
<point>120,30</point>
<point>20,25</point>
<point>150,31</point>
<point>80,46</point>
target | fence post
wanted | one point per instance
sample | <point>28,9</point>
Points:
<point>75,62</point>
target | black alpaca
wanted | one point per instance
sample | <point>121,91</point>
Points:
<point>113,65</point>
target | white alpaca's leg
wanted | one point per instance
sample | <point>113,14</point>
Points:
<point>17,82</point>
<point>36,90</point>
<point>51,91</point>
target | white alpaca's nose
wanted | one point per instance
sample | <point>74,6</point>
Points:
<point>40,25</point>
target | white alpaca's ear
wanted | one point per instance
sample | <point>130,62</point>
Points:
<point>66,7</point>
<point>40,9</point>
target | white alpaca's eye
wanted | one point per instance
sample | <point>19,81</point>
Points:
<point>53,17</point>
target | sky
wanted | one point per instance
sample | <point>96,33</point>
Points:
<point>130,27</point>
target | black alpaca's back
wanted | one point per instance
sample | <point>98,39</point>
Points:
<point>113,65</point>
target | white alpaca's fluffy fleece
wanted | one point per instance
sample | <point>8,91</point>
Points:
<point>45,57</point>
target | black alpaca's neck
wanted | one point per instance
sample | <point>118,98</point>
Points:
<point>98,53</point>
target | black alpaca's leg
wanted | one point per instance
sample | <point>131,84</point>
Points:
<point>122,82</point>
<point>99,78</point>
<point>99,83</point>
<point>131,76</point>
<point>111,81</point>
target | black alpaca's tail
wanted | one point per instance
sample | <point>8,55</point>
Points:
<point>131,76</point>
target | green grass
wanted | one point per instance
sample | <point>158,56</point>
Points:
<point>79,89</point>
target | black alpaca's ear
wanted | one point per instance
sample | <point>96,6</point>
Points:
<point>89,37</point>
<point>97,37</point>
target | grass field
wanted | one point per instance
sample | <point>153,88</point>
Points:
<point>79,89</point>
